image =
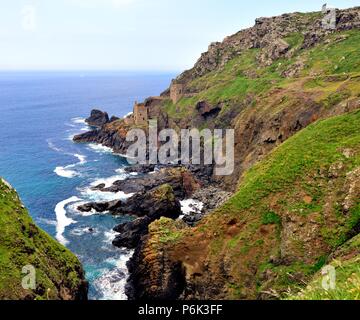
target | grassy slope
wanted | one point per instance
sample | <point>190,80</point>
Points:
<point>58,271</point>
<point>347,285</point>
<point>243,77</point>
<point>293,184</point>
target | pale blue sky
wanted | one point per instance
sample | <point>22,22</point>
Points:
<point>126,34</point>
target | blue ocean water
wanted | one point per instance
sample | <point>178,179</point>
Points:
<point>39,114</point>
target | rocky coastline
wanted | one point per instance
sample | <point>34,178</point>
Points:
<point>196,256</point>
<point>157,193</point>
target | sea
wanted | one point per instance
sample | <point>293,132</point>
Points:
<point>40,112</point>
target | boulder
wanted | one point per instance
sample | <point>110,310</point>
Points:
<point>100,206</point>
<point>97,118</point>
<point>131,232</point>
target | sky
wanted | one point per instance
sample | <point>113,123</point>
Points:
<point>143,35</point>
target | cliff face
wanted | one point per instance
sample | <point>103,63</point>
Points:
<point>59,275</point>
<point>293,212</point>
<point>270,36</point>
<point>267,82</point>
<point>270,81</point>
<point>296,201</point>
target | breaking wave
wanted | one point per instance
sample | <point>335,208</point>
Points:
<point>67,171</point>
<point>112,282</point>
<point>62,220</point>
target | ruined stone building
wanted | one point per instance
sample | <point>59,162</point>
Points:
<point>141,114</point>
<point>142,111</point>
<point>177,91</point>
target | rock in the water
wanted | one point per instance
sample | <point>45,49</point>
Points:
<point>97,118</point>
<point>100,206</point>
<point>180,179</point>
<point>131,232</point>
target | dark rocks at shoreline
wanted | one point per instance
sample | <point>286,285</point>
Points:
<point>100,206</point>
<point>140,169</point>
<point>148,206</point>
<point>97,118</point>
<point>180,179</point>
<point>131,232</point>
<point>110,133</point>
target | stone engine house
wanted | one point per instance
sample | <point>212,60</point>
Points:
<point>141,114</point>
<point>177,91</point>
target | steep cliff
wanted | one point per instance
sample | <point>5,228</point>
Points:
<point>58,273</point>
<point>290,216</point>
<point>266,82</point>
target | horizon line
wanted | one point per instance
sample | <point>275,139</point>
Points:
<point>92,70</point>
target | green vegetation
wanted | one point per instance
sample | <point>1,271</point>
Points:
<point>347,284</point>
<point>340,55</point>
<point>58,271</point>
<point>271,218</point>
<point>295,40</point>
<point>243,77</point>
<point>292,181</point>
<point>166,229</point>
<point>316,147</point>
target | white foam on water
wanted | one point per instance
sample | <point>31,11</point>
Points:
<point>47,221</point>
<point>109,236</point>
<point>122,175</point>
<point>78,120</point>
<point>98,196</point>
<point>112,283</point>
<point>52,146</point>
<point>62,220</point>
<point>82,159</point>
<point>98,148</point>
<point>73,133</point>
<point>70,137</point>
<point>123,172</point>
<point>67,171</point>
<point>189,206</point>
<point>81,231</point>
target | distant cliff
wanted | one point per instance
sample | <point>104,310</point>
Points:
<point>59,274</point>
<point>267,82</point>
